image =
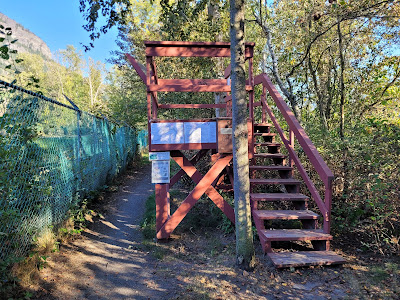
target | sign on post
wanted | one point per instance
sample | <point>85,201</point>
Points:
<point>160,167</point>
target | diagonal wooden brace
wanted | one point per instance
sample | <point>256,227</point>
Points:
<point>202,186</point>
<point>194,160</point>
<point>196,176</point>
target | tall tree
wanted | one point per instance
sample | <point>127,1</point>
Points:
<point>244,235</point>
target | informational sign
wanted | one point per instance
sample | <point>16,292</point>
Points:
<point>167,133</point>
<point>159,156</point>
<point>183,133</point>
<point>200,132</point>
<point>160,171</point>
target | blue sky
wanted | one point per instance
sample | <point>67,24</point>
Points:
<point>58,23</point>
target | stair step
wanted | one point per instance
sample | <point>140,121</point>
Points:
<point>263,125</point>
<point>295,235</point>
<point>271,168</point>
<point>305,258</point>
<point>287,181</point>
<point>270,155</point>
<point>278,197</point>
<point>285,214</point>
<point>267,144</point>
<point>264,134</point>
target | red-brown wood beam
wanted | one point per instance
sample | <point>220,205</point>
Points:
<point>191,88</point>
<point>186,44</point>
<point>193,51</point>
<point>162,204</point>
<point>167,106</point>
<point>192,146</point>
<point>154,71</point>
<point>227,72</point>
<point>194,160</point>
<point>183,120</point>
<point>138,67</point>
<point>192,81</point>
<point>202,186</point>
<point>196,176</point>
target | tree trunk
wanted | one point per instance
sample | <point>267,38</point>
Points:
<point>244,234</point>
<point>342,100</point>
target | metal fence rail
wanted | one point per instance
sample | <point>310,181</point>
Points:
<point>51,155</point>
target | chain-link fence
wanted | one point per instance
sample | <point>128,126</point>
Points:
<point>51,155</point>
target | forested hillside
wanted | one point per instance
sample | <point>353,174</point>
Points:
<point>27,40</point>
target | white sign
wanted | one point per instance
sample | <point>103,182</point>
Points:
<point>160,171</point>
<point>159,156</point>
<point>167,133</point>
<point>226,130</point>
<point>200,132</point>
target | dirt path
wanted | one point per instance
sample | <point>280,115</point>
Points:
<point>105,263</point>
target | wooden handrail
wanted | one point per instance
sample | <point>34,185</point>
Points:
<point>311,187</point>
<point>309,149</point>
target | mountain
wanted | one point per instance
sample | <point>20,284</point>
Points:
<point>27,41</point>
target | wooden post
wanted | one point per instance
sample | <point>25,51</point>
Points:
<point>291,143</point>
<point>264,114</point>
<point>162,205</point>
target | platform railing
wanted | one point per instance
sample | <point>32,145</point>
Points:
<point>296,132</point>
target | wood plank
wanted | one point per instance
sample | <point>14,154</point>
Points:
<point>193,51</point>
<point>270,155</point>
<point>305,258</point>
<point>271,168</point>
<point>288,181</point>
<point>264,134</point>
<point>278,197</point>
<point>170,106</point>
<point>193,81</point>
<point>189,43</point>
<point>140,69</point>
<point>285,214</point>
<point>182,120</point>
<point>188,88</point>
<point>263,125</point>
<point>295,235</point>
<point>192,146</point>
<point>267,144</point>
<point>191,88</point>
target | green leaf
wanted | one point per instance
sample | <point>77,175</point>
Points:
<point>8,67</point>
<point>12,42</point>
<point>2,40</point>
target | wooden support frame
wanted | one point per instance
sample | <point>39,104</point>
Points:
<point>196,176</point>
<point>204,185</point>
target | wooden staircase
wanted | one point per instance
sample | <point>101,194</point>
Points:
<point>270,172</point>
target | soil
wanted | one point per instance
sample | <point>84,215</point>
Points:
<point>111,260</point>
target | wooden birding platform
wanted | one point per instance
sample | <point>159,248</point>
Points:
<point>271,172</point>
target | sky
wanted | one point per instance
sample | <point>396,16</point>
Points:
<point>59,23</point>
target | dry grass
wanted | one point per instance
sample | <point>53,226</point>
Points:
<point>27,271</point>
